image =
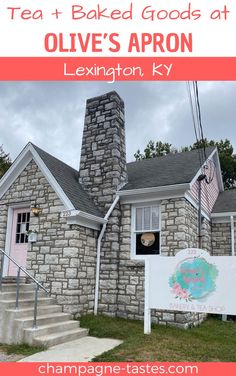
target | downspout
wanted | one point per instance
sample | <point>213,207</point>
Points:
<point>200,179</point>
<point>232,235</point>
<point>99,253</point>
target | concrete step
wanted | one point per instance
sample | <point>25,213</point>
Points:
<point>44,330</point>
<point>57,338</point>
<point>43,310</point>
<point>26,303</point>
<point>53,326</point>
<point>27,322</point>
<point>9,295</point>
<point>12,280</point>
<point>11,287</point>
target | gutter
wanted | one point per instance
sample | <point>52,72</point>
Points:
<point>163,188</point>
<point>99,253</point>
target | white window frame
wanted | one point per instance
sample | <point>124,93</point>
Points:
<point>134,232</point>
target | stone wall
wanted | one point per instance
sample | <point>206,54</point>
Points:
<point>102,171</point>
<point>103,152</point>
<point>180,227</point>
<point>177,216</point>
<point>64,256</point>
<point>221,239</point>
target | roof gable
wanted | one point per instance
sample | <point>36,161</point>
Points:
<point>62,178</point>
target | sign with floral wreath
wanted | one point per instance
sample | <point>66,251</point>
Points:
<point>191,281</point>
<point>194,278</point>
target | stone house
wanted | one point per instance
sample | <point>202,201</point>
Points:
<point>94,227</point>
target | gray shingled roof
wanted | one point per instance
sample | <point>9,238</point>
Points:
<point>171,169</point>
<point>226,202</point>
<point>67,178</point>
<point>168,170</point>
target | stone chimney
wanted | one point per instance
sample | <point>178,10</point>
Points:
<point>103,154</point>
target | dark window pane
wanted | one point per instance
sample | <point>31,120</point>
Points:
<point>23,217</point>
<point>18,227</point>
<point>19,218</point>
<point>27,226</point>
<point>28,217</point>
<point>22,238</point>
<point>154,248</point>
<point>26,239</point>
<point>17,238</point>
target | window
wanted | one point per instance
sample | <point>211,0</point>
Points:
<point>146,232</point>
<point>22,226</point>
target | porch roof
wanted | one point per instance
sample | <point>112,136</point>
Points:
<point>226,202</point>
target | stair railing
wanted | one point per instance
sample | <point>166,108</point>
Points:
<point>20,269</point>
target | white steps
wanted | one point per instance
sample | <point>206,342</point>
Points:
<point>45,319</point>
<point>16,326</point>
<point>42,310</point>
<point>56,338</point>
<point>22,295</point>
<point>26,303</point>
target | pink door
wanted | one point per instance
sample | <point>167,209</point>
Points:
<point>19,239</point>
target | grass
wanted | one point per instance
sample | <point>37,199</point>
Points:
<point>213,341</point>
<point>21,349</point>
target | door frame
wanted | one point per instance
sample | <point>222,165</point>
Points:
<point>11,209</point>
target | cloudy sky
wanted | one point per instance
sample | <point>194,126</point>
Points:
<point>51,114</point>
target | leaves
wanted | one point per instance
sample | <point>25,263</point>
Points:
<point>225,149</point>
<point>5,162</point>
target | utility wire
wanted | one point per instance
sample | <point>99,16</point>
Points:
<point>193,113</point>
<point>200,118</point>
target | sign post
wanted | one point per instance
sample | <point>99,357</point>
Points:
<point>147,310</point>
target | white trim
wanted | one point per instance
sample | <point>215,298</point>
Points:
<point>165,188</point>
<point>152,196</point>
<point>221,220</point>
<point>23,159</point>
<point>11,209</point>
<point>221,215</point>
<point>155,193</point>
<point>29,153</point>
<point>14,171</point>
<point>52,181</point>
<point>219,175</point>
<point>77,217</point>
<point>83,222</point>
<point>93,217</point>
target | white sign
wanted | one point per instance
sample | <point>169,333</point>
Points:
<point>192,281</point>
